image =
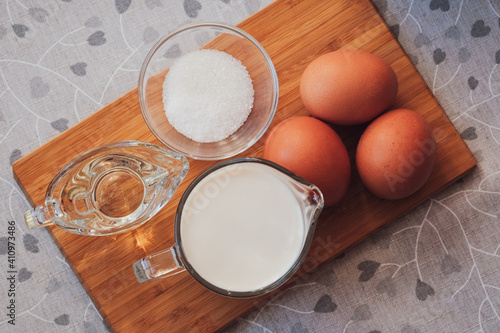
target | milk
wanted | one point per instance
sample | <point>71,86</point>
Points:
<point>242,227</point>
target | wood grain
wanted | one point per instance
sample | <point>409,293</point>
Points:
<point>293,32</point>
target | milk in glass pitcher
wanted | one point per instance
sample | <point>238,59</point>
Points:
<point>242,228</point>
<point>110,189</point>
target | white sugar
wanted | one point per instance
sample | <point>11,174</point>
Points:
<point>207,95</point>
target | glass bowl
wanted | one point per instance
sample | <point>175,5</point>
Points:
<point>221,37</point>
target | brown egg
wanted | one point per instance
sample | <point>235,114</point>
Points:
<point>395,154</point>
<point>348,87</point>
<point>311,149</point>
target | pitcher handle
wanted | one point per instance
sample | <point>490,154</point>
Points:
<point>41,216</point>
<point>158,265</point>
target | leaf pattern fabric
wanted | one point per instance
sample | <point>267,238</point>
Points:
<point>63,60</point>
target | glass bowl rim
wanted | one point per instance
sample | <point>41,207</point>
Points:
<point>238,31</point>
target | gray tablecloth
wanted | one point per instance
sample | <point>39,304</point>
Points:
<point>436,269</point>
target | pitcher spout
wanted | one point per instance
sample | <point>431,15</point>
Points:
<point>315,198</point>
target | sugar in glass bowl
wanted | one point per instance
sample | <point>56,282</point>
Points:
<point>221,37</point>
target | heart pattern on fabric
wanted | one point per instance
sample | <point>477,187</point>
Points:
<point>421,39</point>
<point>97,38</point>
<point>444,5</point>
<point>438,55</point>
<point>368,269</point>
<point>60,124</point>
<point>480,29</point>
<point>192,7</point>
<point>24,274</point>
<point>20,30</point>
<point>30,243</point>
<point>39,88</point>
<point>472,82</point>
<point>122,5</point>
<point>469,134</point>
<point>38,14</point>
<point>62,320</point>
<point>79,69</point>
<point>423,290</point>
<point>15,155</point>
<point>325,305</point>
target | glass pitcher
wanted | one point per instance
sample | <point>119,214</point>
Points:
<point>110,189</point>
<point>242,228</point>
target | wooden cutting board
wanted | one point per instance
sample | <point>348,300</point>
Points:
<point>293,32</point>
